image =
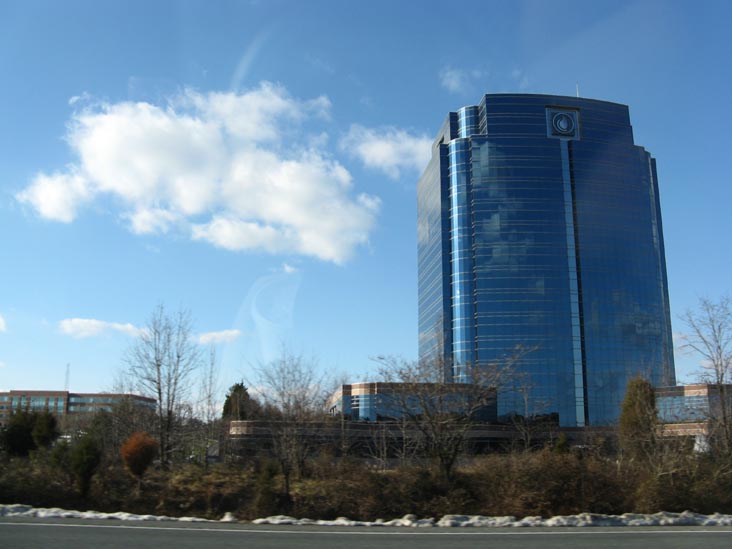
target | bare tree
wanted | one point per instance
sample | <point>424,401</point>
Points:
<point>292,389</point>
<point>208,389</point>
<point>393,439</point>
<point>208,407</point>
<point>533,418</point>
<point>379,445</point>
<point>161,362</point>
<point>711,338</point>
<point>443,413</point>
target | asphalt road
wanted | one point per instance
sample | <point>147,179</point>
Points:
<point>57,533</point>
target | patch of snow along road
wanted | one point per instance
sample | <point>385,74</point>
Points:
<point>686,518</point>
<point>18,510</point>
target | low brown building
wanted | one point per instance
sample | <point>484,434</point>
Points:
<point>64,403</point>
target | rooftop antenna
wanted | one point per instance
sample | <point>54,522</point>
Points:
<point>66,379</point>
<point>577,86</point>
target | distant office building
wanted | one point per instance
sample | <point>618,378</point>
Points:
<point>539,226</point>
<point>63,403</point>
<point>381,401</point>
<point>697,411</point>
<point>365,401</point>
<point>692,403</point>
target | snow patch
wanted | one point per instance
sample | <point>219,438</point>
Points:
<point>228,517</point>
<point>18,510</point>
<point>687,518</point>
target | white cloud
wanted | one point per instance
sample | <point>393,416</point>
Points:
<point>232,169</point>
<point>224,336</point>
<point>521,79</point>
<point>459,80</point>
<point>81,328</point>
<point>85,96</point>
<point>152,220</point>
<point>388,149</point>
<point>58,196</point>
<point>3,324</point>
<point>288,269</point>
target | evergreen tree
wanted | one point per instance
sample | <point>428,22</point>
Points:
<point>239,405</point>
<point>638,420</point>
<point>85,458</point>
<point>45,429</point>
<point>17,437</point>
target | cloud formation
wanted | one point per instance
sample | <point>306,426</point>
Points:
<point>459,80</point>
<point>521,79</point>
<point>388,149</point>
<point>224,336</point>
<point>3,325</point>
<point>82,328</point>
<point>231,169</point>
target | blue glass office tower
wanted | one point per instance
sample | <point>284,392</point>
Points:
<point>539,226</point>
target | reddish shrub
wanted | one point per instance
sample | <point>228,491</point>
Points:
<point>138,452</point>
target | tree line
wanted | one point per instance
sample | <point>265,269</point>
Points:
<point>160,461</point>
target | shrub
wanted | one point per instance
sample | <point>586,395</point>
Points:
<point>138,452</point>
<point>267,500</point>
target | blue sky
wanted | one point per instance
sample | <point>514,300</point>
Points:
<point>256,163</point>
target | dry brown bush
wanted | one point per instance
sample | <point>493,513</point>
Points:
<point>138,453</point>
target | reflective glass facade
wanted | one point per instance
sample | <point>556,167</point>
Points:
<point>382,401</point>
<point>539,226</point>
<point>692,403</point>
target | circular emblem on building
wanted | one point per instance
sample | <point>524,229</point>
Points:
<point>563,123</point>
